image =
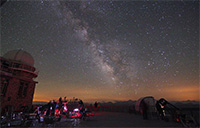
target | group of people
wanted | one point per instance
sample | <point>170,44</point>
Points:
<point>62,106</point>
<point>55,106</point>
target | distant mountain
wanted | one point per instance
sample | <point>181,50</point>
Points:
<point>186,104</point>
<point>180,104</point>
<point>190,102</point>
<point>39,102</point>
<point>129,102</point>
<point>133,102</point>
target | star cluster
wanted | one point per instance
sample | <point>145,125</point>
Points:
<point>131,48</point>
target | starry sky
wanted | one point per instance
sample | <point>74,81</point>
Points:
<point>107,50</point>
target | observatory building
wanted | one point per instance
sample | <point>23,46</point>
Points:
<point>17,73</point>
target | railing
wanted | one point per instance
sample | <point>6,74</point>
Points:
<point>12,70</point>
<point>5,68</point>
<point>11,66</point>
<point>22,66</point>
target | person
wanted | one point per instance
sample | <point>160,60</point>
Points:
<point>64,106</point>
<point>60,103</point>
<point>144,110</point>
<point>80,102</point>
<point>60,99</point>
<point>160,110</point>
<point>95,106</point>
<point>65,99</point>
<point>81,105</point>
<point>82,108</point>
<point>51,108</point>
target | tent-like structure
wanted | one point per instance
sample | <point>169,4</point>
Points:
<point>149,101</point>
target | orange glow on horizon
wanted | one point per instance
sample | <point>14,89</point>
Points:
<point>173,93</point>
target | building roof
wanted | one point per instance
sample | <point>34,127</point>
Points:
<point>20,56</point>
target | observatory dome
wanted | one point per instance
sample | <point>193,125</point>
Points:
<point>20,56</point>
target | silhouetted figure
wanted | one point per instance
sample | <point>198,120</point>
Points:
<point>80,102</point>
<point>60,103</point>
<point>60,100</point>
<point>51,108</point>
<point>96,104</point>
<point>144,110</point>
<point>64,106</point>
<point>159,109</point>
<point>81,105</point>
<point>65,99</point>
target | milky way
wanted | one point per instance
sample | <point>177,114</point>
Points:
<point>127,47</point>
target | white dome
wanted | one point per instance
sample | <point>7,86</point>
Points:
<point>20,56</point>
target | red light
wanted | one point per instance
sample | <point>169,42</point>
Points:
<point>76,115</point>
<point>89,114</point>
<point>177,119</point>
<point>57,112</point>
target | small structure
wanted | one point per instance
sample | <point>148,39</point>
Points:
<point>17,74</point>
<point>150,102</point>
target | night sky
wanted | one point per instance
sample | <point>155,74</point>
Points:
<point>107,50</point>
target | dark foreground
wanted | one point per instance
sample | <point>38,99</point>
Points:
<point>112,119</point>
